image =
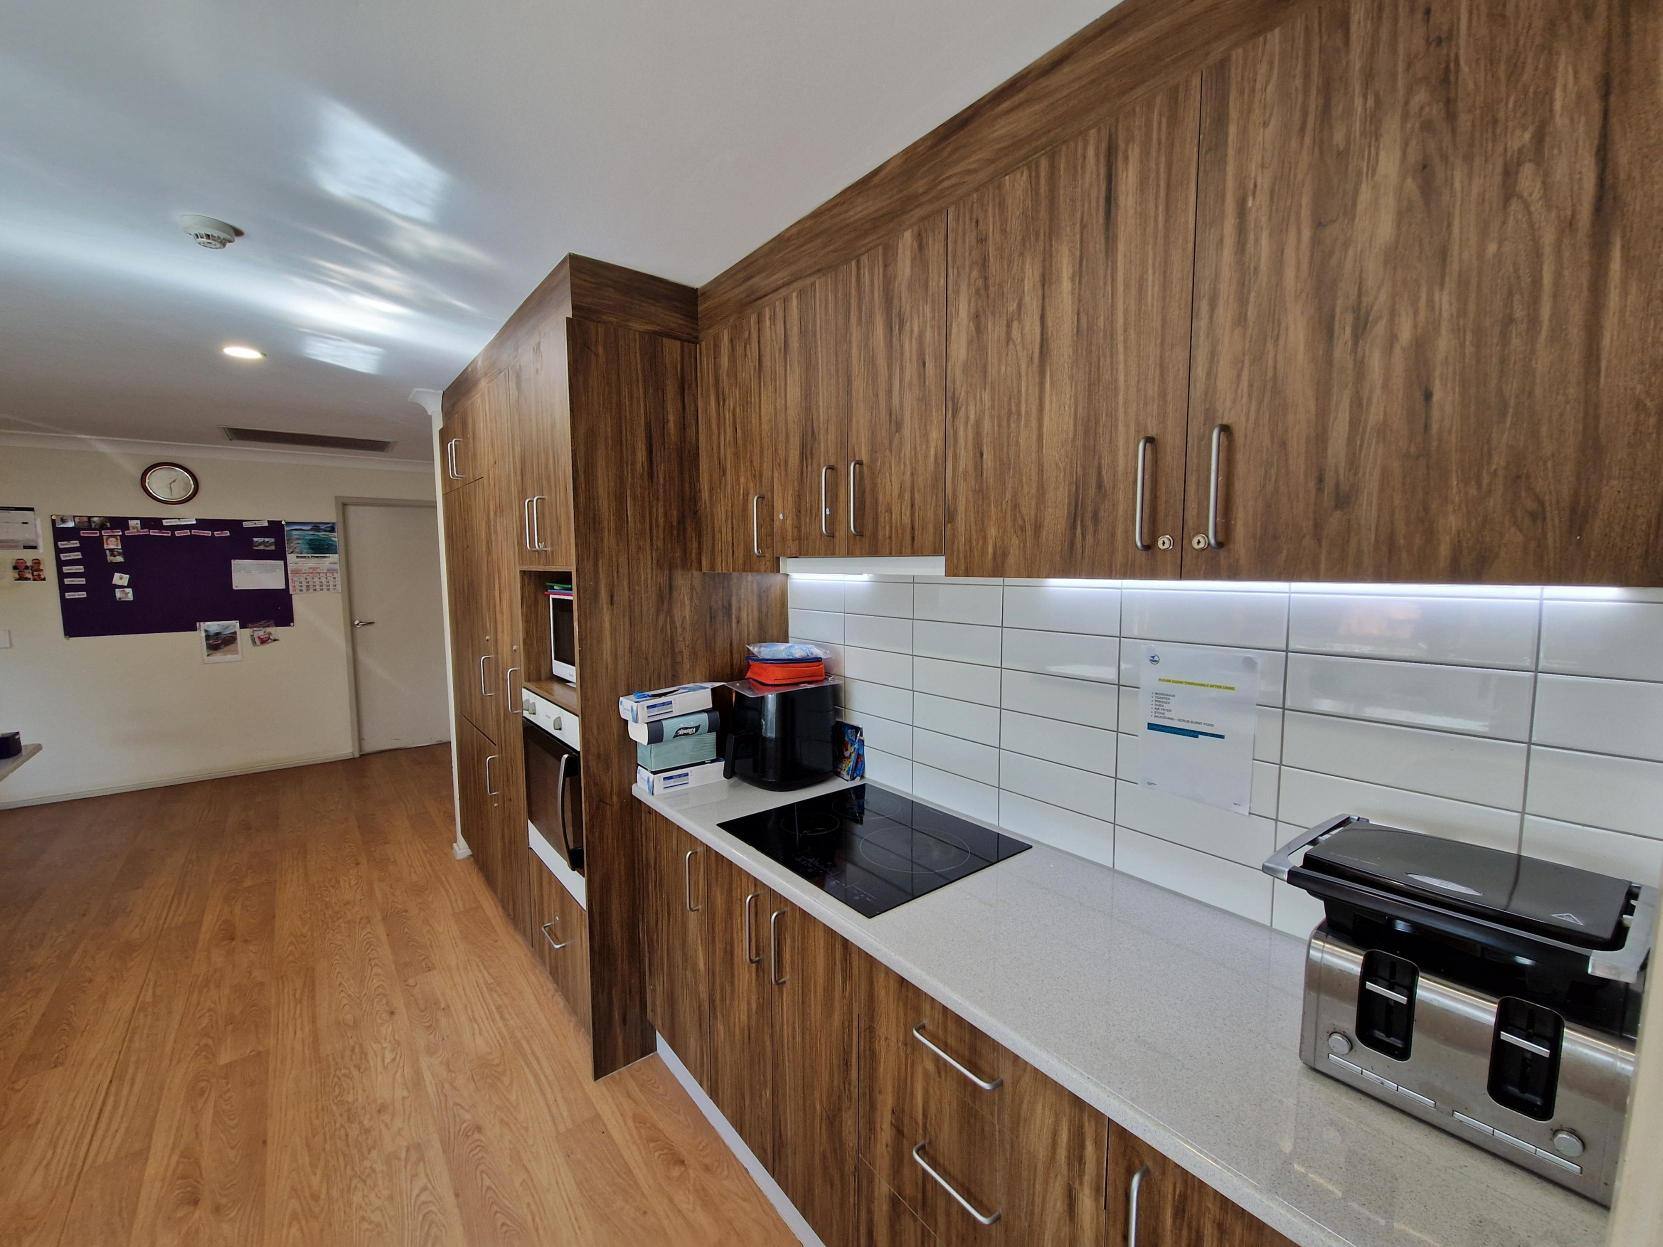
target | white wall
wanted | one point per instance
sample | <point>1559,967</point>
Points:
<point>1508,717</point>
<point>120,712</point>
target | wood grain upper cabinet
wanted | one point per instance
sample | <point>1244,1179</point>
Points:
<point>1428,281</point>
<point>863,421</point>
<point>541,433</point>
<point>740,376</point>
<point>1068,344</point>
<point>1155,1203</point>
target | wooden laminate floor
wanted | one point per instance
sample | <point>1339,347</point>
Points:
<point>274,1009</point>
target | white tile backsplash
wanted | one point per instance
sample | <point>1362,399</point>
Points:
<point>1503,716</point>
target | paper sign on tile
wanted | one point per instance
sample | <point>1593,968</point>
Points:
<point>1196,716</point>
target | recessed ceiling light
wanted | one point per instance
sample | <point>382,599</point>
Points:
<point>242,352</point>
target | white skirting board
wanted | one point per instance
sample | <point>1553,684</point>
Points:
<point>787,1210</point>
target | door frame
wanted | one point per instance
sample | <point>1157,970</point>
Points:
<point>341,504</point>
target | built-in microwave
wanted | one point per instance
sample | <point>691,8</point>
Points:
<point>562,637</point>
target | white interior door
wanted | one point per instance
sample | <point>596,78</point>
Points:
<point>391,555</point>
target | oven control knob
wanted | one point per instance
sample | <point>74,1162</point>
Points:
<point>1568,1143</point>
<point>1338,1043</point>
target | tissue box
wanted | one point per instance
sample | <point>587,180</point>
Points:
<point>661,782</point>
<point>666,755</point>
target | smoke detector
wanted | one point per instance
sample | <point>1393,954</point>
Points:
<point>210,232</point>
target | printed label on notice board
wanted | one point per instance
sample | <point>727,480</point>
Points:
<point>1197,714</point>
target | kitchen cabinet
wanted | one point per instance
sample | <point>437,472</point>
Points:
<point>741,1006</point>
<point>470,435</point>
<point>1068,353</point>
<point>560,936</point>
<point>541,431</point>
<point>1155,1203</point>
<point>741,372</point>
<point>862,434</point>
<point>485,648</point>
<point>680,936</point>
<point>1429,261</point>
<point>882,1218</point>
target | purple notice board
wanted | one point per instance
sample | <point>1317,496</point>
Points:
<point>122,575</point>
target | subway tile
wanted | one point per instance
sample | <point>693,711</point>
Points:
<point>888,770</point>
<point>1134,661</point>
<point>961,757</point>
<point>956,642</point>
<point>1600,593</point>
<point>878,632</point>
<point>1073,744</point>
<point>1266,779</point>
<point>1072,654</point>
<point>1465,768</point>
<point>878,665</point>
<point>1267,729</point>
<point>1635,858</point>
<point>1478,701</point>
<point>957,603</point>
<point>814,595</point>
<point>1072,832</point>
<point>884,735</point>
<point>958,580</point>
<point>1053,697</point>
<point>1603,716</point>
<point>1329,589</point>
<point>818,625</point>
<point>878,597</point>
<point>1604,637</point>
<point>1084,792</point>
<point>1057,608</point>
<point>955,792</point>
<point>1226,885</point>
<point>1244,838</point>
<point>879,699</point>
<point>1468,632</point>
<point>1309,798</point>
<point>962,680</point>
<point>1293,911</point>
<point>956,718</point>
<point>1237,620</point>
<point>1621,794</point>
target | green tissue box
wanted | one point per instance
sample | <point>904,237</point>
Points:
<point>678,751</point>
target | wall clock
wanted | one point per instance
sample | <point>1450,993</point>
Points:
<point>172,483</point>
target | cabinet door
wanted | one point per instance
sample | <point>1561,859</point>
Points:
<point>475,776</point>
<point>892,492</point>
<point>1428,271</point>
<point>484,628</point>
<point>515,884</point>
<point>814,1083</point>
<point>1068,354</point>
<point>1173,1208</point>
<point>679,939</point>
<point>541,433</point>
<point>882,1218</point>
<point>560,937</point>
<point>740,373</point>
<point>818,403</point>
<point>741,1006</point>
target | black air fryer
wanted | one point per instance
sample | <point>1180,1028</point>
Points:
<point>783,737</point>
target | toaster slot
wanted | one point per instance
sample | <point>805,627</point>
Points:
<point>1524,1057</point>
<point>1386,1004</point>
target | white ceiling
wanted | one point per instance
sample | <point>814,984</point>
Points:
<point>407,171</point>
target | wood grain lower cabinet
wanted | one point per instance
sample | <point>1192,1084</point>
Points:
<point>741,1006</point>
<point>882,1218</point>
<point>1155,1203</point>
<point>680,935</point>
<point>560,937</point>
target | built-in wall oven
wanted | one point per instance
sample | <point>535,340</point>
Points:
<point>553,777</point>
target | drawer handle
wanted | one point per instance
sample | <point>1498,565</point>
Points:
<point>982,1218</point>
<point>982,1083</point>
<point>553,943</point>
<point>1132,1205</point>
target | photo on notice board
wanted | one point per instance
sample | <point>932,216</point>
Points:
<point>219,641</point>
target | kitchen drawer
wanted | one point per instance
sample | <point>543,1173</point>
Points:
<point>933,1048</point>
<point>882,1218</point>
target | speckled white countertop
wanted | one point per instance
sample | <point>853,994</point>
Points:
<point>1181,1023</point>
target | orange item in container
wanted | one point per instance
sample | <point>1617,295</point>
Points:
<point>801,672</point>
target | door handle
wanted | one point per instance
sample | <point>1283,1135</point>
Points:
<point>748,929</point>
<point>1132,1205</point>
<point>756,526</point>
<point>537,501</point>
<point>774,947</point>
<point>1219,430</point>
<point>490,791</point>
<point>508,683</point>
<point>363,623</point>
<point>560,803</point>
<point>981,1218</point>
<point>825,504</point>
<point>1138,539</point>
<point>525,524</point>
<point>484,685</point>
<point>854,474</point>
<point>553,943</point>
<point>687,880</point>
<point>450,459</point>
<point>983,1084</point>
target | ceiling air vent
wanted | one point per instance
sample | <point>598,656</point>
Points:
<point>310,441</point>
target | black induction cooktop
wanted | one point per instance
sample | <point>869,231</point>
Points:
<point>870,848</point>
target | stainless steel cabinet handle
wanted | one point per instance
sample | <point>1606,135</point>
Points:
<point>1138,540</point>
<point>508,682</point>
<point>825,504</point>
<point>687,880</point>
<point>553,943</point>
<point>756,526</point>
<point>525,524</point>
<point>537,501</point>
<point>748,928</point>
<point>977,1079</point>
<point>981,1218</point>
<point>450,459</point>
<point>1132,1205</point>
<point>489,790</point>
<point>774,947</point>
<point>854,505</point>
<point>484,685</point>
<point>1219,430</point>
